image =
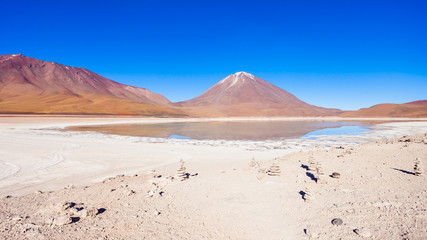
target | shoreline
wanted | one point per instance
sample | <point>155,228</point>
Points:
<point>36,157</point>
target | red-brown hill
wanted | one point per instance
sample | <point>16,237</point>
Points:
<point>416,109</point>
<point>34,86</point>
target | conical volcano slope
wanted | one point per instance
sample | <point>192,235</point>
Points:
<point>243,94</point>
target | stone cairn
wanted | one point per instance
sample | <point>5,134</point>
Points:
<point>320,174</point>
<point>418,170</point>
<point>274,169</point>
<point>312,165</point>
<point>182,174</point>
<point>308,197</point>
<point>253,163</point>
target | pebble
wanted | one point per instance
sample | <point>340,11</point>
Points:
<point>62,220</point>
<point>336,175</point>
<point>129,193</point>
<point>17,219</point>
<point>337,221</point>
<point>91,212</point>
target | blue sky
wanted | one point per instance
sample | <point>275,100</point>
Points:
<point>342,54</point>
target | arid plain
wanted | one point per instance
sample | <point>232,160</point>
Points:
<point>74,185</point>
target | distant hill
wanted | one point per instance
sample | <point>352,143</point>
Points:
<point>242,94</point>
<point>417,109</point>
<point>29,85</point>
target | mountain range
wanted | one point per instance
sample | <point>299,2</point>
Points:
<point>29,85</point>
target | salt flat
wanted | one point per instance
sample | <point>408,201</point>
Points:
<point>224,197</point>
<point>34,156</point>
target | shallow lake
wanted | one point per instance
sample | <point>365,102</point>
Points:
<point>232,130</point>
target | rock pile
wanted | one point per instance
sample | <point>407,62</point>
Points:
<point>253,163</point>
<point>320,174</point>
<point>418,170</point>
<point>312,165</point>
<point>181,172</point>
<point>70,212</point>
<point>274,169</point>
<point>308,197</point>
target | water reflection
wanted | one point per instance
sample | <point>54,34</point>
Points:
<point>236,130</point>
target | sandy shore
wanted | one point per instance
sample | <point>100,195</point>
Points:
<point>225,199</point>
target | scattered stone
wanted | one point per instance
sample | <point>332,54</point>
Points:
<point>69,186</point>
<point>182,174</point>
<point>336,175</point>
<point>404,139</point>
<point>363,232</point>
<point>337,221</point>
<point>67,205</point>
<point>156,213</point>
<point>108,180</point>
<point>151,193</point>
<point>17,219</point>
<point>274,169</point>
<point>129,192</point>
<point>62,220</point>
<point>122,185</point>
<point>39,192</point>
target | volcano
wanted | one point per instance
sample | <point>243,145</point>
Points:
<point>29,85</point>
<point>243,94</point>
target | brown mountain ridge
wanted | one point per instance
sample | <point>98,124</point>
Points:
<point>34,86</point>
<point>416,109</point>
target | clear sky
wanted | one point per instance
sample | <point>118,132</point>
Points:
<point>341,54</point>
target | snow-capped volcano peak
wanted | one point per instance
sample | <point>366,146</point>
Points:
<point>237,77</point>
<point>239,74</point>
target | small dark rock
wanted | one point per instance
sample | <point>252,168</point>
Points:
<point>337,221</point>
<point>335,175</point>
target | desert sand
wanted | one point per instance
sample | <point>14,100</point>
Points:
<point>80,185</point>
